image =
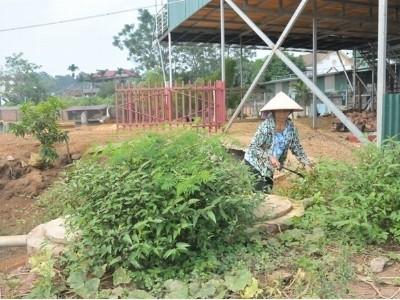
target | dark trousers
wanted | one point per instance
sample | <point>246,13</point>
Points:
<point>262,184</point>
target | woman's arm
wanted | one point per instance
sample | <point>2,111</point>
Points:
<point>297,149</point>
<point>260,149</point>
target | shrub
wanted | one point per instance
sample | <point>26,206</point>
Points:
<point>40,121</point>
<point>158,200</point>
<point>359,202</point>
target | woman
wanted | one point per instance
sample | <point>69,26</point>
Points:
<point>274,137</point>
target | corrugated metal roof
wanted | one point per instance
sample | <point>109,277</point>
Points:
<point>341,24</point>
<point>180,11</point>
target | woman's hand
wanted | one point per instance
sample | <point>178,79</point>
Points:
<point>274,162</point>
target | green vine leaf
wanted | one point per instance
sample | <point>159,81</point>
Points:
<point>121,276</point>
<point>176,289</point>
<point>237,281</point>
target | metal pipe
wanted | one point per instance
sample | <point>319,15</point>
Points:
<point>158,41</point>
<point>170,59</point>
<point>315,64</point>
<point>222,41</point>
<point>381,74</point>
<point>274,48</point>
<point>300,74</point>
<point>373,81</point>
<point>13,241</point>
<point>344,70</point>
<point>241,70</point>
<point>354,76</point>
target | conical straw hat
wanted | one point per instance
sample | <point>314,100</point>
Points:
<point>281,102</point>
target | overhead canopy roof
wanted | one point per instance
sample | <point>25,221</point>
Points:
<point>342,24</point>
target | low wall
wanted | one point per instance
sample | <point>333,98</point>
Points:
<point>10,114</point>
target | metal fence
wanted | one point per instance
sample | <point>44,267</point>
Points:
<point>191,104</point>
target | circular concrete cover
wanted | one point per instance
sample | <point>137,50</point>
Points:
<point>55,231</point>
<point>273,207</point>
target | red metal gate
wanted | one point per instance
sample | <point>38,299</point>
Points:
<point>191,104</point>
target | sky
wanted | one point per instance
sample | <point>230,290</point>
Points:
<point>87,44</point>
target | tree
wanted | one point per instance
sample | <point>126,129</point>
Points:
<point>120,71</point>
<point>41,121</point>
<point>21,81</point>
<point>48,82</point>
<point>230,68</point>
<point>73,68</point>
<point>139,41</point>
<point>302,93</point>
<point>63,82</point>
<point>190,61</point>
<point>153,78</point>
<point>106,89</point>
<point>276,68</point>
<point>82,76</point>
<point>195,61</point>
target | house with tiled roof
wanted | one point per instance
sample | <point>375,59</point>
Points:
<point>115,75</point>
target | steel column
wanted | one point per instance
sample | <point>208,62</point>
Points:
<point>354,76</point>
<point>373,82</point>
<point>275,49</point>
<point>241,70</point>
<point>381,74</point>
<point>299,74</point>
<point>158,43</point>
<point>222,40</point>
<point>117,108</point>
<point>315,65</point>
<point>170,59</point>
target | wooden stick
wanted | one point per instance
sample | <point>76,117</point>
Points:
<point>395,294</point>
<point>371,284</point>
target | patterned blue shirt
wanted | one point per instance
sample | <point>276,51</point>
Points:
<point>266,143</point>
<point>280,141</point>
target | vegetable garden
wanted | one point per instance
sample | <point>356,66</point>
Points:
<point>170,215</point>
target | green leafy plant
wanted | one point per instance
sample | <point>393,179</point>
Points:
<point>83,101</point>
<point>159,200</point>
<point>82,285</point>
<point>164,216</point>
<point>358,202</point>
<point>40,121</point>
<point>302,93</point>
<point>43,265</point>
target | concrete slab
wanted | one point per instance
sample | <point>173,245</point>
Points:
<point>47,236</point>
<point>35,239</point>
<point>273,207</point>
<point>55,231</point>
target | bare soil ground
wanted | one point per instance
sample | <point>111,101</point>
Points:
<point>18,192</point>
<point>318,143</point>
<point>18,214</point>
